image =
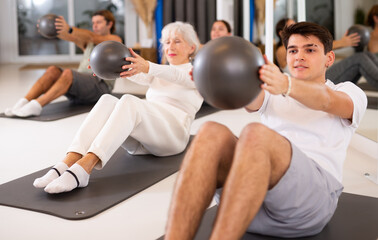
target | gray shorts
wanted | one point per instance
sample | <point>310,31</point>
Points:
<point>302,202</point>
<point>86,88</point>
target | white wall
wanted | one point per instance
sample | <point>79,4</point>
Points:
<point>8,31</point>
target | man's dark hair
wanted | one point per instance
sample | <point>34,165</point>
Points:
<point>307,29</point>
<point>109,17</point>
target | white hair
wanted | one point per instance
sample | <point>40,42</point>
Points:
<point>185,30</point>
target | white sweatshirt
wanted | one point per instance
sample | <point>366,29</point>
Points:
<point>171,84</point>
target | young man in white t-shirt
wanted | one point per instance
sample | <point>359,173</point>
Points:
<point>281,177</point>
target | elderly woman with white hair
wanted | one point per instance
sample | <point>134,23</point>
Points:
<point>158,125</point>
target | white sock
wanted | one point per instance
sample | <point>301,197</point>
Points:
<point>52,174</point>
<point>33,108</point>
<point>20,103</point>
<point>72,178</point>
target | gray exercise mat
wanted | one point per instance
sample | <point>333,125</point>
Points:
<point>124,176</point>
<point>367,87</point>
<point>372,102</point>
<point>206,109</point>
<point>356,217</point>
<point>64,109</point>
<point>56,111</point>
<point>59,110</point>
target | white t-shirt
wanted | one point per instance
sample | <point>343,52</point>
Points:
<point>321,136</point>
<point>171,84</point>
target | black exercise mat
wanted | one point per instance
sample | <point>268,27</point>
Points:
<point>124,176</point>
<point>64,109</point>
<point>356,217</point>
<point>367,87</point>
<point>372,102</point>
<point>56,111</point>
<point>206,109</point>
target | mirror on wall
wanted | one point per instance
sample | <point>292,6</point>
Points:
<point>30,42</point>
<point>83,11</point>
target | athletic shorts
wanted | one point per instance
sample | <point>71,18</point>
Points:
<point>302,202</point>
<point>86,88</point>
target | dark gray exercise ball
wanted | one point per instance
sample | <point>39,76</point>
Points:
<point>107,59</point>
<point>225,72</point>
<point>47,26</point>
<point>364,33</point>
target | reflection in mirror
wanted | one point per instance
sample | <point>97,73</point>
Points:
<point>85,9</point>
<point>30,42</point>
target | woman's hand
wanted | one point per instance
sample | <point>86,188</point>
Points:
<point>350,40</point>
<point>274,80</point>
<point>137,65</point>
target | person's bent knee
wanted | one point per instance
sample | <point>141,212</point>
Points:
<point>256,133</point>
<point>210,126</point>
<point>54,71</point>
<point>67,76</point>
<point>213,129</point>
<point>359,58</point>
<point>130,103</point>
<point>255,129</point>
<point>128,99</point>
<point>215,133</point>
<point>107,98</point>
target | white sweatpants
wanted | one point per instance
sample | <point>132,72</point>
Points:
<point>140,126</point>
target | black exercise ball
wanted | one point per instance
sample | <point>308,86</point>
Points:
<point>107,59</point>
<point>47,26</point>
<point>225,72</point>
<point>364,33</point>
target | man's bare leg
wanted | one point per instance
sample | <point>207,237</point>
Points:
<point>204,167</point>
<point>261,158</point>
<point>40,87</point>
<point>44,83</point>
<point>57,89</point>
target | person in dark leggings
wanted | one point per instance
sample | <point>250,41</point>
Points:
<point>352,68</point>
<point>362,63</point>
